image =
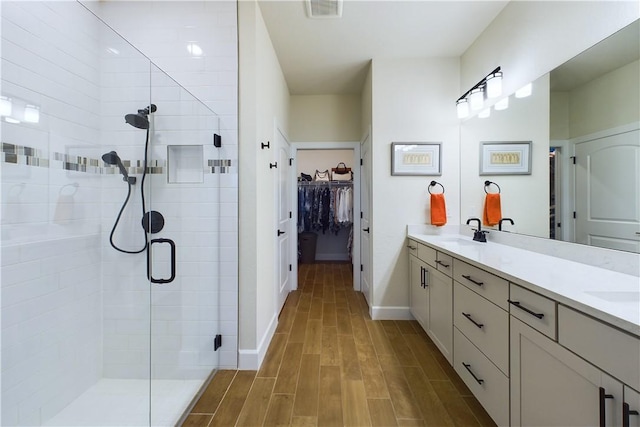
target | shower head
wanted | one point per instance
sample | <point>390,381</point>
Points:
<point>112,158</point>
<point>140,120</point>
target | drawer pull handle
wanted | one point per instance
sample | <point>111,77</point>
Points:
<point>468,316</point>
<point>442,264</point>
<point>423,277</point>
<point>473,281</point>
<point>626,412</point>
<point>521,307</point>
<point>468,368</point>
<point>413,248</point>
<point>603,414</point>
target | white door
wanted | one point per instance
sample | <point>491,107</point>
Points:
<point>365,230</point>
<point>608,192</point>
<point>284,219</point>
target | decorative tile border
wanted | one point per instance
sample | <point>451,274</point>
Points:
<point>23,155</point>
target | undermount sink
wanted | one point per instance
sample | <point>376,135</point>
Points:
<point>464,241</point>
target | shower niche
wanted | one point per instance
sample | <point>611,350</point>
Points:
<point>185,164</point>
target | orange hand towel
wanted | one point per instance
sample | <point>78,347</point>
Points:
<point>438,210</point>
<point>492,212</point>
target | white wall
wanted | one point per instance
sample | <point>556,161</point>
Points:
<point>325,118</point>
<point>605,102</point>
<point>530,38</point>
<point>409,103</point>
<point>264,99</point>
<point>524,198</point>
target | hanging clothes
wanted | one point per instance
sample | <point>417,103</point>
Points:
<point>324,207</point>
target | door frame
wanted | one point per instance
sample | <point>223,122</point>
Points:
<point>350,145</point>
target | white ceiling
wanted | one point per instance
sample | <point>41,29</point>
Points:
<point>330,56</point>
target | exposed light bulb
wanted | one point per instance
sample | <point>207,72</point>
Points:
<point>524,91</point>
<point>503,104</point>
<point>494,85</point>
<point>484,113</point>
<point>462,107</point>
<point>476,98</point>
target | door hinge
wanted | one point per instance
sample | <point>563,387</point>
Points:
<point>291,161</point>
<point>290,214</point>
<point>290,267</point>
<point>361,267</point>
<point>217,342</point>
<point>361,215</point>
<point>361,162</point>
<point>559,225</point>
<point>574,214</point>
<point>573,159</point>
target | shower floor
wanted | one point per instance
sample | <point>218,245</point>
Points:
<point>114,402</point>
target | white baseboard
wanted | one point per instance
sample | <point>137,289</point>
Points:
<point>251,359</point>
<point>391,313</point>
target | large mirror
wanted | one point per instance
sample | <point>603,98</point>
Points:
<point>587,111</point>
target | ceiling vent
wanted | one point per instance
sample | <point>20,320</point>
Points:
<point>324,8</point>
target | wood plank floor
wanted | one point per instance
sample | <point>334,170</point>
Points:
<point>329,364</point>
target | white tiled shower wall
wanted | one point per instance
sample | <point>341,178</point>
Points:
<point>53,251</point>
<point>162,31</point>
<point>51,264</point>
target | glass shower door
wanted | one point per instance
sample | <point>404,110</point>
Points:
<point>184,247</point>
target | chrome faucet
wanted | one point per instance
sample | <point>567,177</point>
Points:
<point>479,234</point>
<point>504,219</point>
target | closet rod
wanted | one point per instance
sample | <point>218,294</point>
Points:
<point>323,183</point>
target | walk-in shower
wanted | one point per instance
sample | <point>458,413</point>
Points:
<point>93,336</point>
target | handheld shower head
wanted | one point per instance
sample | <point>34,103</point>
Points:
<point>140,120</point>
<point>112,158</point>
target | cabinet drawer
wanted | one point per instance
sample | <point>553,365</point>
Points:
<point>485,324</point>
<point>612,350</point>
<point>444,263</point>
<point>485,381</point>
<point>490,286</point>
<point>535,310</point>
<point>427,254</point>
<point>412,246</point>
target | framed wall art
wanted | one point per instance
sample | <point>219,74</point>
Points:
<point>505,158</point>
<point>416,158</point>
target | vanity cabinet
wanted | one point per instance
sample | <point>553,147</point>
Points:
<point>631,408</point>
<point>481,337</point>
<point>431,294</point>
<point>551,386</point>
<point>529,360</point>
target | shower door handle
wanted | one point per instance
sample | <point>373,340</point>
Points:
<point>173,261</point>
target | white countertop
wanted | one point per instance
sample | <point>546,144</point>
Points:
<point>606,295</point>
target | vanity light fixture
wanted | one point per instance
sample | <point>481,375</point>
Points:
<point>503,104</point>
<point>473,99</point>
<point>462,107</point>
<point>476,98</point>
<point>494,85</point>
<point>524,91</point>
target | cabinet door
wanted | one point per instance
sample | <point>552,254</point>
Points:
<point>419,293</point>
<point>440,327</point>
<point>551,386</point>
<point>631,408</point>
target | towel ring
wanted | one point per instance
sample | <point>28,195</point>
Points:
<point>488,183</point>
<point>433,184</point>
